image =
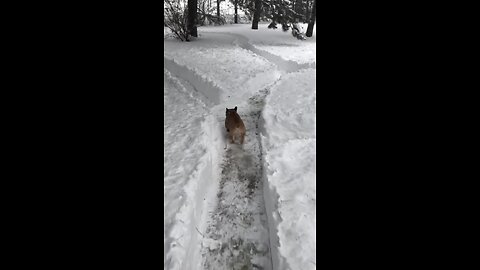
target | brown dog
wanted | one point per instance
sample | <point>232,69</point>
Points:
<point>234,125</point>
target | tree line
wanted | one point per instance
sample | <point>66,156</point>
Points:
<point>183,16</point>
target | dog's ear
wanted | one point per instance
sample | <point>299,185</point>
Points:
<point>235,108</point>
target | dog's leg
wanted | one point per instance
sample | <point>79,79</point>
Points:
<point>242,138</point>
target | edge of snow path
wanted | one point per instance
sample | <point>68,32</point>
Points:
<point>184,242</point>
<point>206,88</point>
<point>270,196</point>
<point>277,214</point>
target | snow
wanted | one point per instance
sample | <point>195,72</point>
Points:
<point>251,205</point>
<point>275,41</point>
<point>238,226</point>
<point>189,163</point>
<point>234,70</point>
<point>289,147</point>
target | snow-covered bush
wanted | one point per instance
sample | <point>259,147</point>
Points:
<point>297,33</point>
<point>296,29</point>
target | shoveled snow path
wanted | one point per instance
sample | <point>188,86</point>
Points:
<point>237,236</point>
<point>237,231</point>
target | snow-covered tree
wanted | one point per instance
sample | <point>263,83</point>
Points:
<point>285,12</point>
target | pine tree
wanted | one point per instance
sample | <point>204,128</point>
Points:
<point>285,12</point>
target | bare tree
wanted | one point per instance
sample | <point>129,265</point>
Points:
<point>175,18</point>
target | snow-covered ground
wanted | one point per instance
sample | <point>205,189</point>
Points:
<point>276,41</point>
<point>190,160</point>
<point>289,153</point>
<point>248,206</point>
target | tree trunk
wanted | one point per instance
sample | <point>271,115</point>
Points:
<point>218,8</point>
<point>306,12</point>
<point>312,20</point>
<point>236,12</point>
<point>192,18</point>
<point>256,14</point>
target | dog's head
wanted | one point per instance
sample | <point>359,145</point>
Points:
<point>231,111</point>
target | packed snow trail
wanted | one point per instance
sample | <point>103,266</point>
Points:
<point>237,236</point>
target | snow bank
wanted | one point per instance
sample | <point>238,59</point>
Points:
<point>191,159</point>
<point>204,87</point>
<point>289,155</point>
